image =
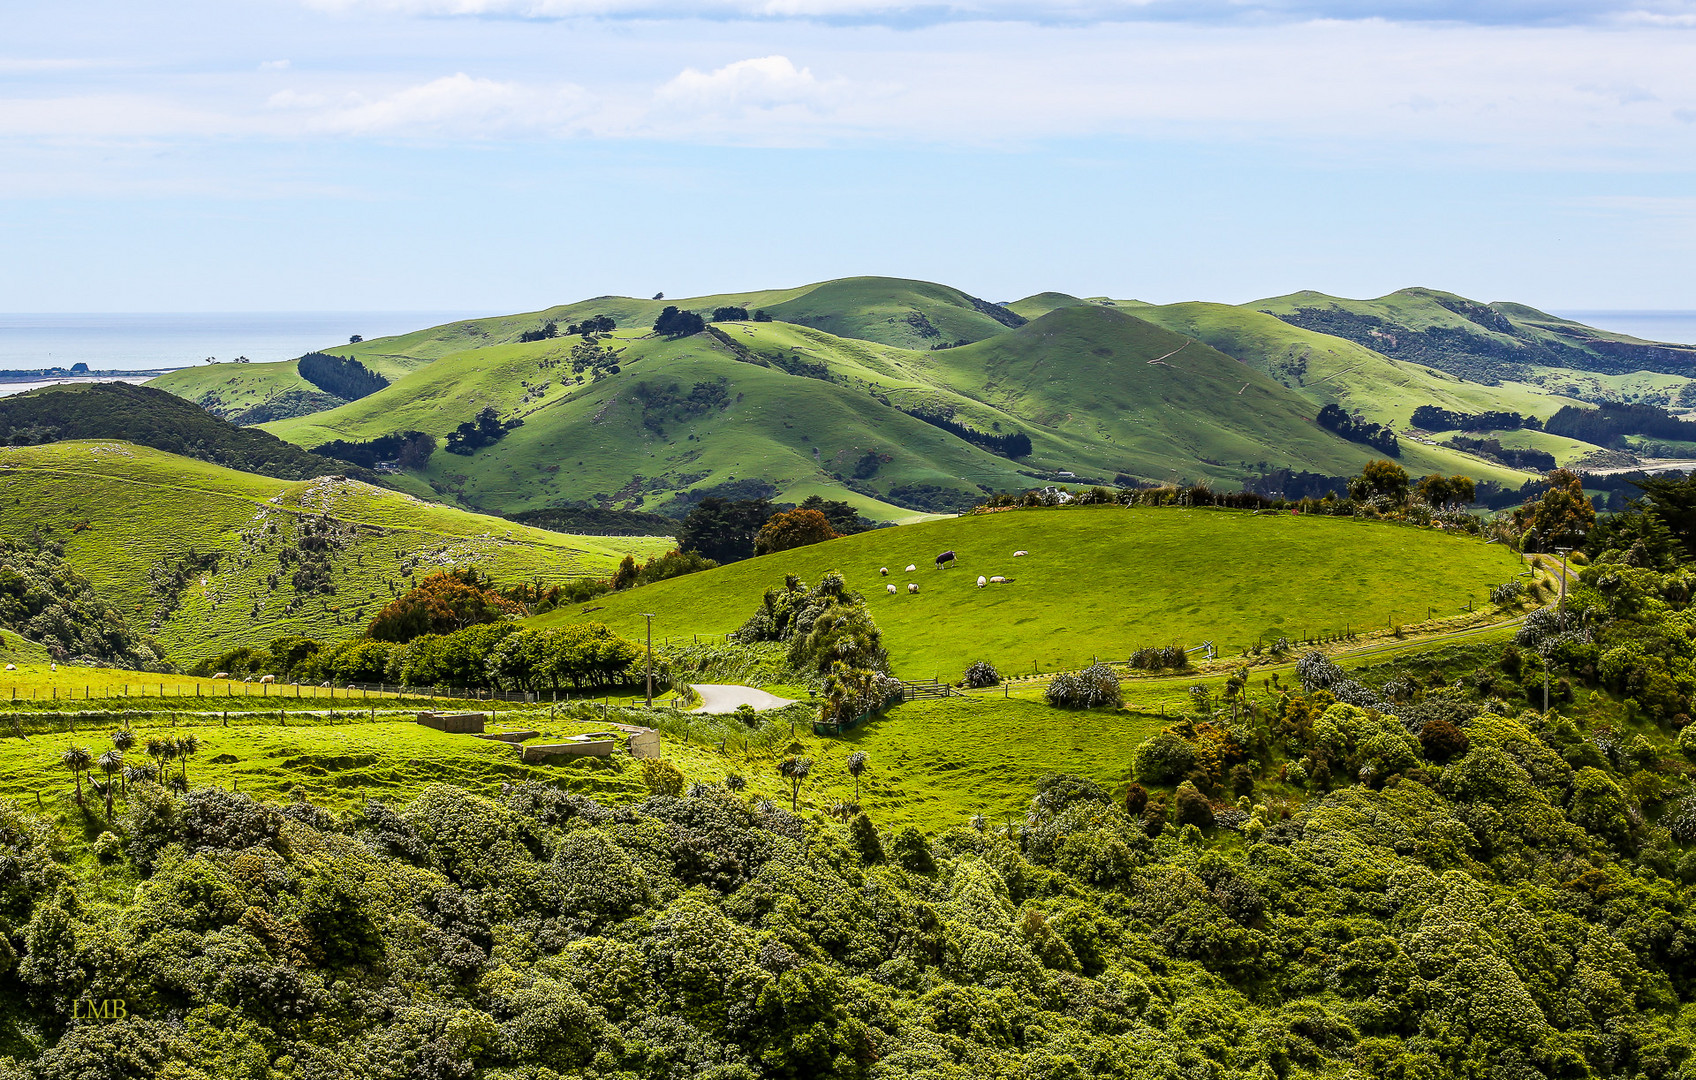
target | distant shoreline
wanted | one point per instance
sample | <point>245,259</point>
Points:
<point>60,375</point>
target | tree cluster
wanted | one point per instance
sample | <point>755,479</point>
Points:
<point>407,449</point>
<point>1512,456</point>
<point>1355,429</point>
<point>1437,418</point>
<point>440,604</point>
<point>599,324</point>
<point>724,530</point>
<point>674,323</point>
<point>150,417</point>
<point>1011,445</point>
<point>1608,423</point>
<point>342,376</point>
<point>486,430</point>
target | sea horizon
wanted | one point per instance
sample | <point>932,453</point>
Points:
<point>133,341</point>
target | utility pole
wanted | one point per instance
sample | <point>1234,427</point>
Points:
<point>1560,609</point>
<point>649,616</point>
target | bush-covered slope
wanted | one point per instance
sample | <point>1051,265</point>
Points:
<point>155,418</point>
<point>205,558</point>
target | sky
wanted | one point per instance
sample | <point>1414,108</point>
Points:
<point>505,155</point>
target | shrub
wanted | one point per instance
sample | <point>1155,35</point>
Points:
<point>912,852</point>
<point>1136,800</point>
<point>981,674</point>
<point>1507,592</point>
<point>662,777</point>
<point>1687,741</point>
<point>1090,688</point>
<point>1317,672</point>
<point>1192,806</point>
<point>107,847</point>
<point>864,837</point>
<point>1170,656</point>
<point>1162,759</point>
<point>1441,740</point>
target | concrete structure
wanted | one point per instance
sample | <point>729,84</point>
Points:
<point>455,723</point>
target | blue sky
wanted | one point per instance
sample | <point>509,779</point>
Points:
<point>508,154</point>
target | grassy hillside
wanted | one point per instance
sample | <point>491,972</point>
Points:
<point>1482,342</point>
<point>1098,581</point>
<point>154,418</point>
<point>247,393</point>
<point>815,402</point>
<point>128,516</point>
<point>804,411</point>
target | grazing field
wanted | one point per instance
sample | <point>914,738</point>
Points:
<point>205,558</point>
<point>1098,581</point>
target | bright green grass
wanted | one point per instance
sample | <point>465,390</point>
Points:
<point>120,509</point>
<point>232,389</point>
<point>1077,381</point>
<point>36,683</point>
<point>1099,581</point>
<point>592,441</point>
<point>1331,369</point>
<point>1426,309</point>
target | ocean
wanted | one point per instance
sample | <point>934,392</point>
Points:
<point>1673,327</point>
<point>128,341</point>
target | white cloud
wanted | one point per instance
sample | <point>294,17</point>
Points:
<point>763,83</point>
<point>1665,13</point>
<point>455,106</point>
<point>274,65</point>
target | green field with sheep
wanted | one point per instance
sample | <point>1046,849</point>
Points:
<point>1098,581</point>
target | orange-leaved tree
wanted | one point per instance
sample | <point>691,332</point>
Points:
<point>793,529</point>
<point>441,604</point>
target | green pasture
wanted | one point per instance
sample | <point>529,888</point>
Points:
<point>123,510</point>
<point>1099,581</point>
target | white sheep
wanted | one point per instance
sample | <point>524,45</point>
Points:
<point>325,686</point>
<point>891,589</point>
<point>267,679</point>
<point>222,675</point>
<point>11,667</point>
<point>998,580</point>
<point>911,567</point>
<point>912,588</point>
<point>883,570</point>
<point>982,581</point>
<point>1020,554</point>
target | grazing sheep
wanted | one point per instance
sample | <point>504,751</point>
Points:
<point>945,559</point>
<point>998,580</point>
<point>1020,554</point>
<point>911,567</point>
<point>891,589</point>
<point>884,570</point>
<point>264,679</point>
<point>912,588</point>
<point>11,667</point>
<point>325,686</point>
<point>222,675</point>
<point>982,581</point>
<point>247,678</point>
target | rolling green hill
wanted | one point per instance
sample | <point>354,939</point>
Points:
<point>1098,581</point>
<point>248,393</point>
<point>798,411</point>
<point>316,557</point>
<point>821,401</point>
<point>1482,342</point>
